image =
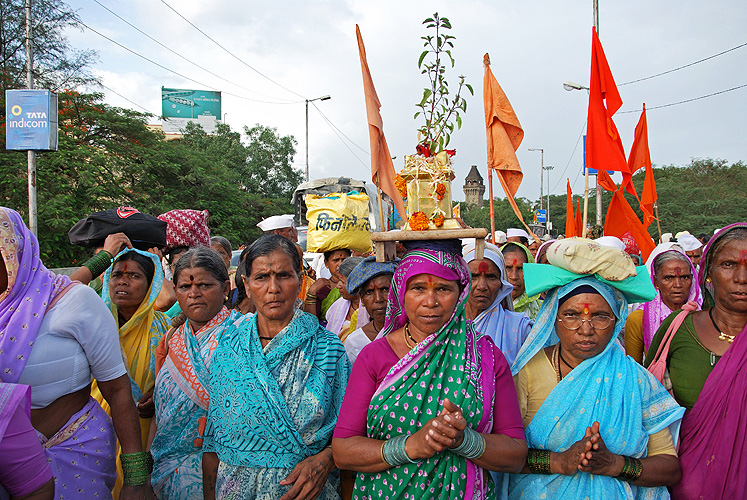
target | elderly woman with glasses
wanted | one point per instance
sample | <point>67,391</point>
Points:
<point>597,424</point>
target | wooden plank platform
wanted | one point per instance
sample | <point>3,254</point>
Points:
<point>385,243</point>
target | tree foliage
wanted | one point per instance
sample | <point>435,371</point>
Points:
<point>56,64</point>
<point>699,197</point>
<point>108,157</point>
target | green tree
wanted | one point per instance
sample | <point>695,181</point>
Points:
<point>503,214</point>
<point>269,163</point>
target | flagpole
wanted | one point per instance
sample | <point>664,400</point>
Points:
<point>490,193</point>
<point>586,199</point>
<point>658,223</point>
<point>383,227</point>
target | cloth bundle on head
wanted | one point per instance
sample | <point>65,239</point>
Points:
<point>656,311</point>
<point>186,228</point>
<point>584,256</point>
<point>368,269</point>
<point>31,287</point>
<point>275,222</point>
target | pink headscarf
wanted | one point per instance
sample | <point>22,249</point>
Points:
<point>656,311</point>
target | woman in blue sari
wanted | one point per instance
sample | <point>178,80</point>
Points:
<point>598,425</point>
<point>183,361</point>
<point>277,381</point>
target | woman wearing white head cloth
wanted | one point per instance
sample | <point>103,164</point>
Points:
<point>489,305</point>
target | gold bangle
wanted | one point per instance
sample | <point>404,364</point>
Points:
<point>382,454</point>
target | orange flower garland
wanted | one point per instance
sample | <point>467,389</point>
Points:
<point>401,185</point>
<point>438,220</point>
<point>440,191</point>
<point>418,221</point>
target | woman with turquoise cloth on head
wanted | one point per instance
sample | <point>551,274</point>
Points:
<point>598,425</point>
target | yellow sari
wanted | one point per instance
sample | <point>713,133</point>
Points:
<point>139,337</point>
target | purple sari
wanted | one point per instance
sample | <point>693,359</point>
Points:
<point>31,287</point>
<point>714,435</point>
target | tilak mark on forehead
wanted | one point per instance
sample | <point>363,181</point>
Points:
<point>483,268</point>
<point>678,271</point>
<point>743,256</point>
<point>586,307</point>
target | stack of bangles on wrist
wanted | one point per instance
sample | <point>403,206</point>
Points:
<point>310,298</point>
<point>136,467</point>
<point>393,451</point>
<point>631,470</point>
<point>99,263</point>
<point>538,461</point>
<point>473,445</point>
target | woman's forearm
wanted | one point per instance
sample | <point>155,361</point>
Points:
<point>358,453</point>
<point>503,454</point>
<point>210,464</point>
<point>659,470</point>
<point>118,394</point>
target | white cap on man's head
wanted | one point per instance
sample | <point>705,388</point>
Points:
<point>612,242</point>
<point>275,222</point>
<point>681,233</point>
<point>513,232</point>
<point>500,237</point>
<point>689,242</point>
<point>666,237</point>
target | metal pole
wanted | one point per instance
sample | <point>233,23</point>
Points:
<point>542,167</point>
<point>307,140</point>
<point>599,188</point>
<point>33,226</point>
<point>548,168</point>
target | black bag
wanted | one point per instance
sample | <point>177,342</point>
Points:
<point>144,231</point>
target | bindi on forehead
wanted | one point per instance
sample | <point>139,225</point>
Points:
<point>483,268</point>
<point>586,307</point>
<point>743,256</point>
<point>515,262</point>
<point>191,278</point>
<point>678,271</point>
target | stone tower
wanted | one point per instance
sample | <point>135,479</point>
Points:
<point>473,187</point>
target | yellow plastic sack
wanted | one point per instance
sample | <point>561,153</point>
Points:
<point>338,220</point>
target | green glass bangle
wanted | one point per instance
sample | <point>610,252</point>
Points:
<point>632,470</point>
<point>539,461</point>
<point>99,263</point>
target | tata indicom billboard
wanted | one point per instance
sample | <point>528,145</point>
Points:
<point>181,106</point>
<point>31,120</point>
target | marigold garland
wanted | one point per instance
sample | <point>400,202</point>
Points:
<point>438,220</point>
<point>401,185</point>
<point>440,191</point>
<point>418,221</point>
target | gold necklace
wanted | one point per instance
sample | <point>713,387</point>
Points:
<point>721,336</point>
<point>408,337</point>
<point>556,362</point>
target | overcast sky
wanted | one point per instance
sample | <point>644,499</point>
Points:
<point>308,48</point>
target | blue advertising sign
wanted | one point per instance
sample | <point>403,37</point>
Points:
<point>542,216</point>
<point>31,120</point>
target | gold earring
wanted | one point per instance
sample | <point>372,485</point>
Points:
<point>708,280</point>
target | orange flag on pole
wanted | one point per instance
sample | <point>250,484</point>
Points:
<point>579,218</point>
<point>639,158</point>
<point>504,135</point>
<point>604,180</point>
<point>621,218</point>
<point>382,168</point>
<point>604,149</point>
<point>570,219</point>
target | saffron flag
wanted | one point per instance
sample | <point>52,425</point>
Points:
<point>570,219</point>
<point>640,157</point>
<point>604,149</point>
<point>579,218</point>
<point>621,218</point>
<point>504,135</point>
<point>382,168</point>
<point>604,180</point>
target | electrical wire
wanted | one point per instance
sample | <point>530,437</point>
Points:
<point>183,57</point>
<point>343,133</point>
<point>560,179</point>
<point>683,102</point>
<point>126,99</point>
<point>231,53</point>
<point>682,67</point>
<point>177,73</point>
<point>329,123</point>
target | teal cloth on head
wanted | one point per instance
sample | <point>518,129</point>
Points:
<point>539,278</point>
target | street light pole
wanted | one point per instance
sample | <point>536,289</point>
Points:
<point>31,154</point>
<point>323,98</point>
<point>542,167</point>
<point>548,168</point>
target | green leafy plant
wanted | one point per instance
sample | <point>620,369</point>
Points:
<point>440,110</point>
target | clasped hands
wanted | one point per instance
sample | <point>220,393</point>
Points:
<point>441,432</point>
<point>589,454</point>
